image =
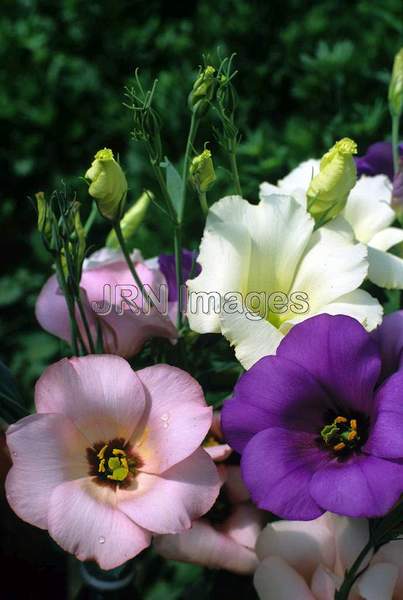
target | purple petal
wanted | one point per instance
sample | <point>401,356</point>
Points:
<point>275,392</point>
<point>385,436</point>
<point>340,354</point>
<point>277,467</point>
<point>364,486</point>
<point>378,160</point>
<point>167,266</point>
<point>389,337</point>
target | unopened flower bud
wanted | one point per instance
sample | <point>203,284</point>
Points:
<point>44,216</point>
<point>202,172</point>
<point>328,191</point>
<point>108,184</point>
<point>80,236</point>
<point>203,91</point>
<point>395,95</point>
<point>131,221</point>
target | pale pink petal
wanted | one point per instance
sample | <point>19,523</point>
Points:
<point>131,330</point>
<point>117,275</point>
<point>276,580</point>
<point>51,310</point>
<point>235,487</point>
<point>324,584</point>
<point>101,394</point>
<point>169,503</point>
<point>351,536</point>
<point>244,525</point>
<point>218,453</point>
<point>203,545</point>
<point>90,527</point>
<point>378,582</point>
<point>302,544</point>
<point>393,553</point>
<point>46,450</point>
<point>178,418</point>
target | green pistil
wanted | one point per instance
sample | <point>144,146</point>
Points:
<point>116,467</point>
<point>341,434</point>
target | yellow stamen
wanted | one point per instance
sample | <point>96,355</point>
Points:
<point>352,435</point>
<point>353,424</point>
<point>340,420</point>
<point>101,466</point>
<point>102,452</point>
<point>339,447</point>
<point>117,451</point>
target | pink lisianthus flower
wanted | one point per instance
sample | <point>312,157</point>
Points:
<point>225,537</point>
<point>113,304</point>
<point>306,560</point>
<point>112,457</point>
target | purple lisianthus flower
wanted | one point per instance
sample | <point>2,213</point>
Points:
<point>378,160</point>
<point>167,266</point>
<point>315,429</point>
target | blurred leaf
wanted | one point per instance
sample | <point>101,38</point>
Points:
<point>175,187</point>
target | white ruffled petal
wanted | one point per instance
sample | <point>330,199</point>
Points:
<point>385,270</point>
<point>332,266</point>
<point>387,238</point>
<point>252,338</point>
<point>368,207</point>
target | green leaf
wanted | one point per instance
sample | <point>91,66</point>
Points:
<point>11,408</point>
<point>174,186</point>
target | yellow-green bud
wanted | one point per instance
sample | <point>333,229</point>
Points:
<point>395,95</point>
<point>44,223</point>
<point>131,220</point>
<point>108,184</point>
<point>203,90</point>
<point>81,236</point>
<point>202,172</point>
<point>328,191</point>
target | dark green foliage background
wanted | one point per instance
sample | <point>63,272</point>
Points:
<point>309,73</point>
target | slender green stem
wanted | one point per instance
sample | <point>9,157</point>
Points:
<point>395,141</point>
<point>85,322</point>
<point>132,268</point>
<point>91,218</point>
<point>234,170</point>
<point>203,203</point>
<point>194,124</point>
<point>178,272</point>
<point>161,181</point>
<point>352,574</point>
<point>70,306</point>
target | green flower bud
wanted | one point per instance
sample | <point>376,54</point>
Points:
<point>80,237</point>
<point>203,91</point>
<point>328,191</point>
<point>202,172</point>
<point>395,95</point>
<point>44,216</point>
<point>131,221</point>
<point>108,184</point>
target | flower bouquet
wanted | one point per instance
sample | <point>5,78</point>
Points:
<point>237,403</point>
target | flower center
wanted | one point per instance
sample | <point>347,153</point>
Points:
<point>342,434</point>
<point>112,462</point>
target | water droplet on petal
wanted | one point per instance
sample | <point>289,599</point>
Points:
<point>165,417</point>
<point>101,540</point>
<point>13,453</point>
<point>166,425</point>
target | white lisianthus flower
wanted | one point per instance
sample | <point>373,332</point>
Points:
<point>264,269</point>
<point>369,212</point>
